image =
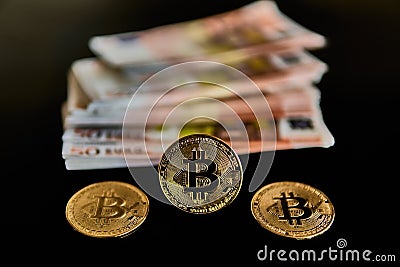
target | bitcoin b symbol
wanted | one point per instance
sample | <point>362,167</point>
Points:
<point>109,207</point>
<point>201,174</point>
<point>299,205</point>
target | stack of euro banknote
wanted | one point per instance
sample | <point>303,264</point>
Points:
<point>182,78</point>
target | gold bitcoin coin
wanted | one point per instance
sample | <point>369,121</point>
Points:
<point>107,209</point>
<point>292,209</point>
<point>200,174</point>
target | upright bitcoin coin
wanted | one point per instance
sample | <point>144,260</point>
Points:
<point>292,209</point>
<point>200,174</point>
<point>107,209</point>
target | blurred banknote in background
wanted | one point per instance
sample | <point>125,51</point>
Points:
<point>257,40</point>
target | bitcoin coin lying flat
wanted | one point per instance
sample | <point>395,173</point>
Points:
<point>107,209</point>
<point>200,174</point>
<point>292,209</point>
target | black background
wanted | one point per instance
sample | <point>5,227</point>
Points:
<point>40,39</point>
